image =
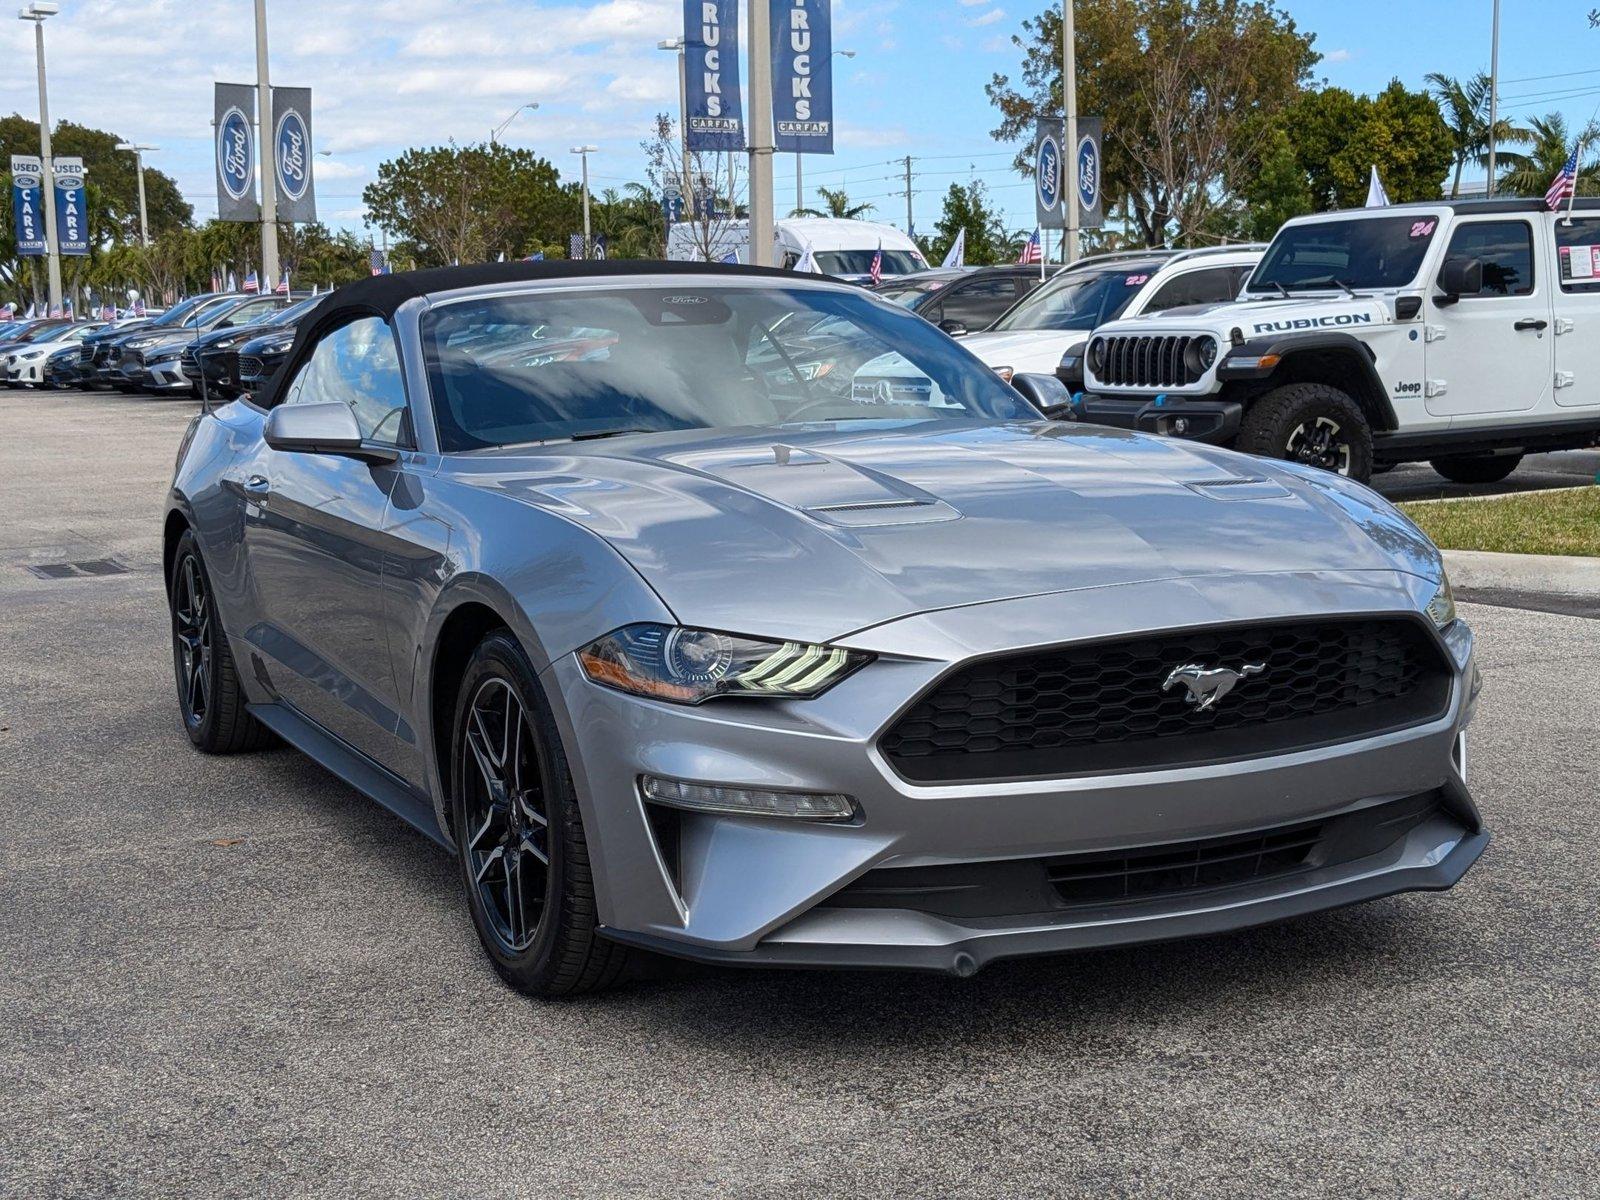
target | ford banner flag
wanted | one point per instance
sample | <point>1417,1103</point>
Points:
<point>1091,199</point>
<point>27,203</point>
<point>72,212</point>
<point>235,138</point>
<point>711,68</point>
<point>802,76</point>
<point>291,155</point>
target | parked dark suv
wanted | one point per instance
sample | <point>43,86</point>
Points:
<point>963,299</point>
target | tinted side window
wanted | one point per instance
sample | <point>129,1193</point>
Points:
<point>979,302</point>
<point>357,365</point>
<point>1215,286</point>
<point>1506,250</point>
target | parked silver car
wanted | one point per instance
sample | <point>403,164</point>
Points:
<point>580,569</point>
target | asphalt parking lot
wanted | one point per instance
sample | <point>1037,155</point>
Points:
<point>235,977</point>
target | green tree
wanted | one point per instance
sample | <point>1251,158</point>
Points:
<point>835,203</point>
<point>1187,89</point>
<point>631,220</point>
<point>471,203</point>
<point>1549,144</point>
<point>1465,107</point>
<point>967,207</point>
<point>1338,137</point>
<point>1276,191</point>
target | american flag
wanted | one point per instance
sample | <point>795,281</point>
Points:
<point>380,264</point>
<point>1033,252</point>
<point>1564,186</point>
<point>877,266</point>
<point>283,283</point>
<point>252,282</point>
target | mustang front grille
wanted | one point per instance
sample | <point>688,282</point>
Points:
<point>1145,361</point>
<point>1121,706</point>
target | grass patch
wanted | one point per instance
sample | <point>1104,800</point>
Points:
<point>1563,522</point>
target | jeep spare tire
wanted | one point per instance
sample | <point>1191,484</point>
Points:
<point>1311,423</point>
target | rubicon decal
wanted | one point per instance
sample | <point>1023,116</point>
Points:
<point>1313,322</point>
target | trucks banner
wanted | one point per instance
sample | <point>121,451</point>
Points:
<point>802,76</point>
<point>291,155</point>
<point>715,114</point>
<point>27,204</point>
<point>235,134</point>
<point>72,210</point>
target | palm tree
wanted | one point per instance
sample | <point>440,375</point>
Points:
<point>1550,144</point>
<point>836,203</point>
<point>1465,106</point>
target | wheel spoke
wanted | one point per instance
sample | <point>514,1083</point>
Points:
<point>497,855</point>
<point>527,847</point>
<point>480,754</point>
<point>515,919</point>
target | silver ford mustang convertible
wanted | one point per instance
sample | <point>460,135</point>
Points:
<point>740,616</point>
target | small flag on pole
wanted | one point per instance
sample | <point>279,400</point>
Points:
<point>1033,252</point>
<point>376,260</point>
<point>252,282</point>
<point>730,259</point>
<point>233,282</point>
<point>138,306</point>
<point>1376,196</point>
<point>33,310</point>
<point>808,263</point>
<point>956,256</point>
<point>877,266</point>
<point>283,283</point>
<point>1564,186</point>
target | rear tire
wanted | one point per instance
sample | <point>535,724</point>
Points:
<point>1310,423</point>
<point>520,839</point>
<point>1476,468</point>
<point>210,699</point>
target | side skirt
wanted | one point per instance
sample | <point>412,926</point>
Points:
<point>355,768</point>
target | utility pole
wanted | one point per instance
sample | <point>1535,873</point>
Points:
<point>909,229</point>
<point>37,12</point>
<point>264,138</point>
<point>685,188</point>
<point>1069,152</point>
<point>1494,92</point>
<point>761,199</point>
<point>138,161</point>
<point>584,152</point>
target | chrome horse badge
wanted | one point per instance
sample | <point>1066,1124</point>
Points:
<point>1208,685</point>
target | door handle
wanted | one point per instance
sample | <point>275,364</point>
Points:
<point>1537,324</point>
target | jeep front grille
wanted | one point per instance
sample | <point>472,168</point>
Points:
<point>1145,360</point>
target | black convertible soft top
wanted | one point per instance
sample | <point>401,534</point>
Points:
<point>381,295</point>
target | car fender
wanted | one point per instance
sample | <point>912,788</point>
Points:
<point>1295,358</point>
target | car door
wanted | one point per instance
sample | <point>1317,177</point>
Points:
<point>1498,351</point>
<point>1577,313</point>
<point>977,303</point>
<point>316,548</point>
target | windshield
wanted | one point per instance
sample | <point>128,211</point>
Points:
<point>507,370</point>
<point>296,311</point>
<point>859,262</point>
<point>178,312</point>
<point>42,333</point>
<point>1375,252</point>
<point>1078,299</point>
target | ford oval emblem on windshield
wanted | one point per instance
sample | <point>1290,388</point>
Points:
<point>293,155</point>
<point>235,153</point>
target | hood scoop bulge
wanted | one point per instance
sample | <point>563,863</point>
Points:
<point>1239,488</point>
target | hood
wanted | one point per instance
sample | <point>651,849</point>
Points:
<point>1032,350</point>
<point>1270,317</point>
<point>817,532</point>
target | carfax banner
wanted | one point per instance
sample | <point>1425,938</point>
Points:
<point>235,134</point>
<point>711,66</point>
<point>802,76</point>
<point>27,204</point>
<point>72,211</point>
<point>291,154</point>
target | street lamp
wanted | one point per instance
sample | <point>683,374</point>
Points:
<point>138,152</point>
<point>495,133</point>
<point>684,187</point>
<point>585,151</point>
<point>799,183</point>
<point>38,12</point>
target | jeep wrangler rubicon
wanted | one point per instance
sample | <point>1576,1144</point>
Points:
<point>1463,333</point>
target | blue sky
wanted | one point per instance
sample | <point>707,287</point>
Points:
<point>392,73</point>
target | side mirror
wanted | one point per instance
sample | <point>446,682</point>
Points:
<point>1049,395</point>
<point>321,429</point>
<point>1459,277</point>
<point>954,327</point>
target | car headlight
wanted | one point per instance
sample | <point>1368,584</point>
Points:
<point>1007,374</point>
<point>1200,354</point>
<point>1097,355</point>
<point>31,355</point>
<point>278,346</point>
<point>1441,609</point>
<point>689,666</point>
<point>141,343</point>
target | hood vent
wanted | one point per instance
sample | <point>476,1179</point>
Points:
<point>1239,489</point>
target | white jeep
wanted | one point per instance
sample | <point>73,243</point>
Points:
<point>1462,333</point>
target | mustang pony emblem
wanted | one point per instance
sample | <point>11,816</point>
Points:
<point>1208,685</point>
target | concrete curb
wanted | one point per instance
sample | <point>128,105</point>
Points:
<point>1544,574</point>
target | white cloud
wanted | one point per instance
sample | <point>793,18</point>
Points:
<point>1337,56</point>
<point>988,18</point>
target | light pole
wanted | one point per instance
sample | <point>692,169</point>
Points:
<point>584,152</point>
<point>494,134</point>
<point>1494,92</point>
<point>138,152</point>
<point>37,12</point>
<point>759,23</point>
<point>685,189</point>
<point>799,181</point>
<point>1069,91</point>
<point>264,135</point>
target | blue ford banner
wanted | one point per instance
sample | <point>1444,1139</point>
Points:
<point>27,203</point>
<point>235,134</point>
<point>72,213</point>
<point>291,154</point>
<point>711,51</point>
<point>1091,199</point>
<point>802,76</point>
<point>1049,212</point>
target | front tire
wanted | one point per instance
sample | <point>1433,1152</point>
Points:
<point>1310,423</point>
<point>1476,468</point>
<point>519,835</point>
<point>210,699</point>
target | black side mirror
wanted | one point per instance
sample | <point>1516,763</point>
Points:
<point>954,327</point>
<point>1459,277</point>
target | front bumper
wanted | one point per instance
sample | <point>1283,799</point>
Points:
<point>1197,418</point>
<point>769,892</point>
<point>163,375</point>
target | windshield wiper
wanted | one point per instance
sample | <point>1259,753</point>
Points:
<point>1282,291</point>
<point>1346,287</point>
<point>597,434</point>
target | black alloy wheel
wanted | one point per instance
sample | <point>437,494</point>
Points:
<point>192,634</point>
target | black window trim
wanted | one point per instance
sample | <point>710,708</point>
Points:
<point>1533,256</point>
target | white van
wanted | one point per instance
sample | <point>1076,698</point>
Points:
<point>842,248</point>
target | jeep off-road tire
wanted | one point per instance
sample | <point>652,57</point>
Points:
<point>1311,423</point>
<point>1476,468</point>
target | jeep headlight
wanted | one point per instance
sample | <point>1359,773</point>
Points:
<point>1200,355</point>
<point>1441,608</point>
<point>1097,356</point>
<point>689,666</point>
